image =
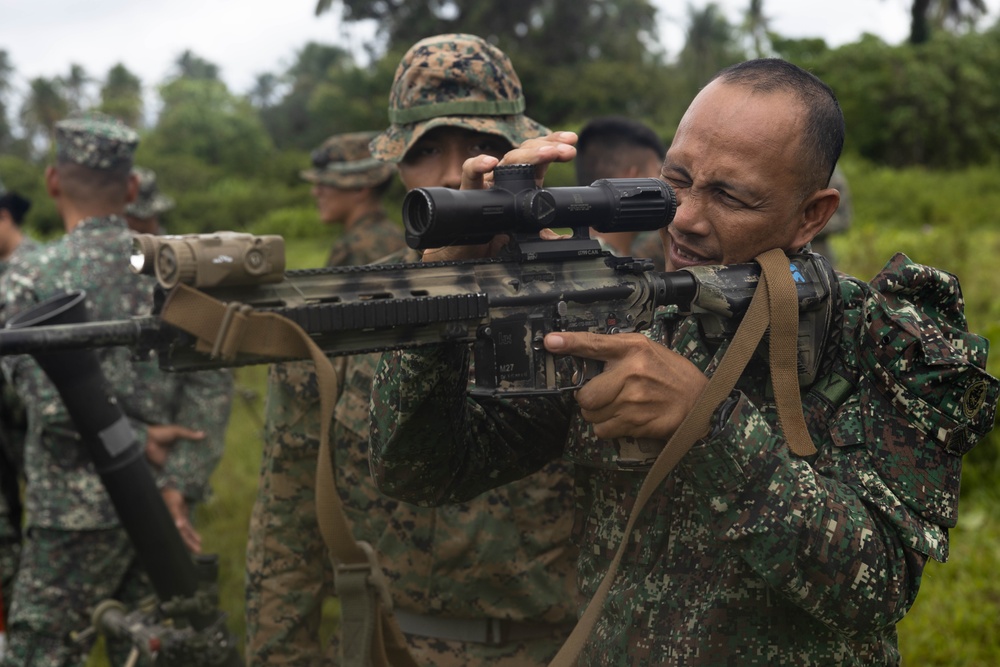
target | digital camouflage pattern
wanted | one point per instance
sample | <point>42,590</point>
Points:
<point>746,554</point>
<point>454,80</point>
<point>501,556</point>
<point>96,141</point>
<point>344,161</point>
<point>12,432</point>
<point>64,495</point>
<point>149,202</point>
<point>288,571</point>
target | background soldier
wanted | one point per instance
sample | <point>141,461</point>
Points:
<point>13,244</point>
<point>201,399</point>
<point>620,147</point>
<point>489,582</point>
<point>75,553</point>
<point>143,214</point>
<point>288,570</point>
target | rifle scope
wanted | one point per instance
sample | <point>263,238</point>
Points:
<point>436,217</point>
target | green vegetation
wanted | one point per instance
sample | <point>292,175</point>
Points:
<point>921,159</point>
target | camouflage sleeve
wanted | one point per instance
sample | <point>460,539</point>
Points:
<point>432,444</point>
<point>203,401</point>
<point>846,536</point>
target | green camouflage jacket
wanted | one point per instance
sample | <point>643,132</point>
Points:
<point>504,555</point>
<point>746,554</point>
<point>63,490</point>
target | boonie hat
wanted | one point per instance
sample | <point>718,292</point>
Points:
<point>95,140</point>
<point>344,161</point>
<point>454,80</point>
<point>150,202</point>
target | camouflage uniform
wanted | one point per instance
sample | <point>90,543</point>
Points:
<point>150,202</point>
<point>288,570</point>
<point>75,553</point>
<point>12,432</point>
<point>746,554</point>
<point>502,560</point>
<point>200,400</point>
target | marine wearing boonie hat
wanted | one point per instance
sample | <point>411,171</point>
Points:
<point>344,161</point>
<point>150,202</point>
<point>96,141</point>
<point>454,80</point>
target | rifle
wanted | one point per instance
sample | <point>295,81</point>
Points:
<point>503,306</point>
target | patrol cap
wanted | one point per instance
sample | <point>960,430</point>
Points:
<point>95,140</point>
<point>344,161</point>
<point>150,202</point>
<point>454,80</point>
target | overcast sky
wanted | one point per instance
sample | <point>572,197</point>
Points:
<point>247,37</point>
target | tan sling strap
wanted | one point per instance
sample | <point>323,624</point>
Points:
<point>774,301</point>
<point>370,635</point>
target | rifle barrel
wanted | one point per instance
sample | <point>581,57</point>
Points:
<point>61,337</point>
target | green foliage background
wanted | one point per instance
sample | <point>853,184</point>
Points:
<point>922,159</point>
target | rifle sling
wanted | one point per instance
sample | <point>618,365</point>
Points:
<point>775,300</point>
<point>370,635</point>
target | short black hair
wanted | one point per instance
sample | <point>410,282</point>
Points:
<point>607,146</point>
<point>823,139</point>
<point>16,205</point>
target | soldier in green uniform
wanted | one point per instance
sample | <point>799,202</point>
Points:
<point>288,572</point>
<point>14,243</point>
<point>201,400</point>
<point>75,553</point>
<point>143,213</point>
<point>746,554</point>
<point>484,582</point>
<point>621,147</point>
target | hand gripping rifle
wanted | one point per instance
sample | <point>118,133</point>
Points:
<point>502,306</point>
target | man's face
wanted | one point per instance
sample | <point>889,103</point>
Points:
<point>334,204</point>
<point>436,159</point>
<point>736,166</point>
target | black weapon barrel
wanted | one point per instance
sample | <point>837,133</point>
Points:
<point>26,339</point>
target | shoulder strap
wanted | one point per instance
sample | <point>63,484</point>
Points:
<point>370,635</point>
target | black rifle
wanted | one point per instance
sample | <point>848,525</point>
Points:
<point>503,306</point>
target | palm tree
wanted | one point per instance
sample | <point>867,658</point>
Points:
<point>121,95</point>
<point>926,15</point>
<point>44,106</point>
<point>192,66</point>
<point>755,27</point>
<point>267,89</point>
<point>74,87</point>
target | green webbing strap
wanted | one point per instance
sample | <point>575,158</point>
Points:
<point>370,636</point>
<point>775,300</point>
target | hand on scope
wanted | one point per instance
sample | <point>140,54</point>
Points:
<point>477,174</point>
<point>645,390</point>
